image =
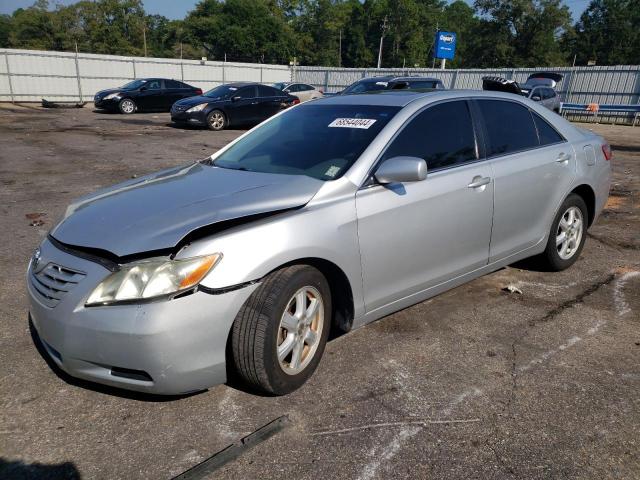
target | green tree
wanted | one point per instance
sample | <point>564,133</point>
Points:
<point>609,33</point>
<point>5,31</point>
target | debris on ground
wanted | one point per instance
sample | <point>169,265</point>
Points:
<point>36,218</point>
<point>512,289</point>
<point>48,104</point>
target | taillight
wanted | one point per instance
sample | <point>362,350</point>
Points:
<point>606,150</point>
<point>198,91</point>
<point>296,101</point>
<point>321,91</point>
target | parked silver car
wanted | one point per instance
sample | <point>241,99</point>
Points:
<point>303,91</point>
<point>329,215</point>
<point>539,87</point>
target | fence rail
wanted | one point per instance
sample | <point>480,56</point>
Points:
<point>29,75</point>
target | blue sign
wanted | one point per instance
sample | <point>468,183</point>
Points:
<point>445,45</point>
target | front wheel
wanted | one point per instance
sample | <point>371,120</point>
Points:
<point>568,234</point>
<point>127,106</point>
<point>279,335</point>
<point>216,120</point>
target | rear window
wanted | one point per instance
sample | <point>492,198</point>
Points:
<point>509,126</point>
<point>320,141</point>
<point>423,84</point>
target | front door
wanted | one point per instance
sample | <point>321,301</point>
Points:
<point>245,105</point>
<point>151,96</point>
<point>418,235</point>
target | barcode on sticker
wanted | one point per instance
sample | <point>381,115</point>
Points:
<point>352,123</point>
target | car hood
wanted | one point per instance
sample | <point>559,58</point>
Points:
<point>193,101</point>
<point>157,211</point>
<point>102,93</point>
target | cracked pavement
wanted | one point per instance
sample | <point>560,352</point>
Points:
<point>474,383</point>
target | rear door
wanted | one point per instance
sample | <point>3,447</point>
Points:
<point>533,166</point>
<point>269,102</point>
<point>414,236</point>
<point>175,91</point>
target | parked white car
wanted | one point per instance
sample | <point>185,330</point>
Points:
<point>303,91</point>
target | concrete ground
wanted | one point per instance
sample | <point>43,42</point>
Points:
<point>475,383</point>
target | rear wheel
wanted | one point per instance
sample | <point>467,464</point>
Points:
<point>568,234</point>
<point>127,106</point>
<point>216,120</point>
<point>279,335</point>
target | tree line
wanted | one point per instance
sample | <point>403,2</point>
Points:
<point>491,33</point>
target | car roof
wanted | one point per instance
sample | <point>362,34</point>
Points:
<point>428,79</point>
<point>401,98</point>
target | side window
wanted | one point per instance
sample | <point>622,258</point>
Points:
<point>546,132</point>
<point>442,135</point>
<point>305,88</point>
<point>264,91</point>
<point>537,92</point>
<point>154,85</point>
<point>294,88</point>
<point>551,93</point>
<point>246,92</point>
<point>173,84</point>
<point>509,126</point>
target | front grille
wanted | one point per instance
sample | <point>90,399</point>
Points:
<point>53,282</point>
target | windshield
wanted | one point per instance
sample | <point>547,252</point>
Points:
<point>222,91</point>
<point>320,141</point>
<point>134,84</point>
<point>280,86</point>
<point>367,86</point>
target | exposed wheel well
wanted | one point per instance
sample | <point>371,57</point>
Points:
<point>589,197</point>
<point>341,293</point>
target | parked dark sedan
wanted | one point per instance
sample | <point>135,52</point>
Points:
<point>374,84</point>
<point>144,94</point>
<point>231,104</point>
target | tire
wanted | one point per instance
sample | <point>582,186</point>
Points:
<point>571,220</point>
<point>216,120</point>
<point>260,330</point>
<point>127,106</point>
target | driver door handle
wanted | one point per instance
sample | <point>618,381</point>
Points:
<point>563,158</point>
<point>479,182</point>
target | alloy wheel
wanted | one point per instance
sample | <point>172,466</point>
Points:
<point>128,106</point>
<point>300,330</point>
<point>216,120</point>
<point>569,233</point>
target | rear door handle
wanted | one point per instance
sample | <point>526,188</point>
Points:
<point>563,158</point>
<point>479,182</point>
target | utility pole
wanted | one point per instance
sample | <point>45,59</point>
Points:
<point>144,37</point>
<point>384,29</point>
<point>340,49</point>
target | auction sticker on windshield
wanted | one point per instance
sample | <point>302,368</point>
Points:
<point>352,123</point>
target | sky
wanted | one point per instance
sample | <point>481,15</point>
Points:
<point>175,9</point>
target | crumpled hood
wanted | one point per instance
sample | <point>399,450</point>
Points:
<point>156,211</point>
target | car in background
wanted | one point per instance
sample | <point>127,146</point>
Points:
<point>373,84</point>
<point>303,91</point>
<point>144,94</point>
<point>232,104</point>
<point>539,87</point>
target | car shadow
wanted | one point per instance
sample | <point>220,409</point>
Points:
<point>98,387</point>
<point>26,471</point>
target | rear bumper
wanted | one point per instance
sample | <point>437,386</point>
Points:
<point>164,347</point>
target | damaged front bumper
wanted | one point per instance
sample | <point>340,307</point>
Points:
<point>164,347</point>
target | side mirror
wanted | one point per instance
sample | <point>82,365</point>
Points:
<point>402,170</point>
<point>536,98</point>
<point>236,98</point>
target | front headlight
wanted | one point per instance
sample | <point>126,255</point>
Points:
<point>152,278</point>
<point>197,108</point>
<point>112,95</point>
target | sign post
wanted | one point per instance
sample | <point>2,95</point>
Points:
<point>445,47</point>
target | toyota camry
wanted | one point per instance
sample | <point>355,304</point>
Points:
<point>329,215</point>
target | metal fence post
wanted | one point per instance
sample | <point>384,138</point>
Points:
<point>181,70</point>
<point>6,62</point>
<point>326,80</point>
<point>260,73</point>
<point>453,80</point>
<point>78,76</point>
<point>223,72</point>
<point>133,61</point>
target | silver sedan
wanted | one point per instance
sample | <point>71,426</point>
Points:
<point>328,216</point>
